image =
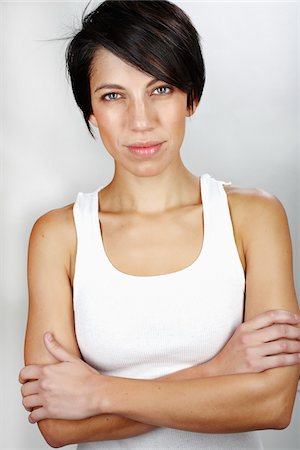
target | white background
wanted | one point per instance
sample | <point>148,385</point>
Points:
<point>244,131</point>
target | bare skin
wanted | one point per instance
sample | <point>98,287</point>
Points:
<point>165,257</point>
<point>161,199</point>
<point>114,426</point>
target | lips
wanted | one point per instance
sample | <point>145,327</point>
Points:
<point>145,149</point>
<point>142,144</point>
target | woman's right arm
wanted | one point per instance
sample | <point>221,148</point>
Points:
<point>51,308</point>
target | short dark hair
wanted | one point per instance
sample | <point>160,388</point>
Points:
<point>155,36</point>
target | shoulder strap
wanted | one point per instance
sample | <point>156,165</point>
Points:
<point>218,224</point>
<point>84,219</point>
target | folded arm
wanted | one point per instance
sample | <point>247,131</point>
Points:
<point>107,426</point>
<point>238,402</point>
<point>269,285</point>
<point>230,403</point>
<point>51,308</point>
<point>62,398</point>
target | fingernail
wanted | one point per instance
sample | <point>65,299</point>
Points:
<point>49,337</point>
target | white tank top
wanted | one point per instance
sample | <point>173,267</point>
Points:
<point>148,326</point>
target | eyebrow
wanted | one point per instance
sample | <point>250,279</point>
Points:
<point>117,86</point>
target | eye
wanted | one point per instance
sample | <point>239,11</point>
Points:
<point>109,99</point>
<point>164,87</point>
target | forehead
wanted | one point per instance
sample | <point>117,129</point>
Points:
<point>106,65</point>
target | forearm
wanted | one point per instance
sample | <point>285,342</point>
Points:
<point>113,426</point>
<point>231,403</point>
<point>97,428</point>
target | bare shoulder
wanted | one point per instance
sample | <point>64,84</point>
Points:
<point>254,204</point>
<point>56,229</point>
<point>254,198</point>
<point>257,212</point>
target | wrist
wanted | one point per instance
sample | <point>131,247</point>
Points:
<point>100,398</point>
<point>121,394</point>
<point>210,368</point>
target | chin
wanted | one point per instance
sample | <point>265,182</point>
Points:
<point>145,170</point>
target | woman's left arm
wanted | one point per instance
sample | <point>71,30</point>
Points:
<point>230,403</point>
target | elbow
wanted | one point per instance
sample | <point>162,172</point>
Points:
<point>284,413</point>
<point>280,404</point>
<point>54,445</point>
<point>49,431</point>
<point>282,424</point>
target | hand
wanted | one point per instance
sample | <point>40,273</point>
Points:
<point>64,390</point>
<point>271,339</point>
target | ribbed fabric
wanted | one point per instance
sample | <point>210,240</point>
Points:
<point>149,326</point>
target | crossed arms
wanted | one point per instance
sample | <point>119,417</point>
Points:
<point>253,378</point>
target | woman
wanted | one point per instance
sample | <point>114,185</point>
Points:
<point>170,296</point>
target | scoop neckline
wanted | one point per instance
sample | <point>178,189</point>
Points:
<point>179,272</point>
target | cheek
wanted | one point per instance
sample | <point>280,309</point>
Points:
<point>174,119</point>
<point>109,122</point>
<point>175,111</point>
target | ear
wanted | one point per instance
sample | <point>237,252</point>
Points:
<point>93,120</point>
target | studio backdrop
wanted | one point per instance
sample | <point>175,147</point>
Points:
<point>244,131</point>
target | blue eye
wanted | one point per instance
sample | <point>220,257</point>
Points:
<point>164,87</point>
<point>109,93</point>
<point>108,97</point>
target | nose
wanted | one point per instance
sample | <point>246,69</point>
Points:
<point>141,116</point>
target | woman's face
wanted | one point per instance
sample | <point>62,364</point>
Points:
<point>139,109</point>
